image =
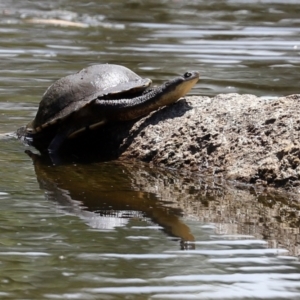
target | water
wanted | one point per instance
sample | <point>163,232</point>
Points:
<point>125,230</point>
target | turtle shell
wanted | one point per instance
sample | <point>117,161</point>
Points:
<point>71,93</point>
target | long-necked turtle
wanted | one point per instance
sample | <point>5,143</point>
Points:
<point>98,94</point>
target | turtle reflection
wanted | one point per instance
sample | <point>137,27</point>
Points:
<point>106,196</point>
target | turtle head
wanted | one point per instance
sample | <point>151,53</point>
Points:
<point>176,88</point>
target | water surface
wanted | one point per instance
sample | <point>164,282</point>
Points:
<point>112,230</point>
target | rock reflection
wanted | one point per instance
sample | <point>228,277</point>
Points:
<point>235,212</point>
<point>106,195</point>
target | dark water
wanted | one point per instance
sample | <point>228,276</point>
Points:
<point>128,231</point>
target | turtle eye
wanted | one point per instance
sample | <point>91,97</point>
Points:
<point>187,75</point>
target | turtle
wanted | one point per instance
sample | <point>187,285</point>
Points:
<point>99,94</point>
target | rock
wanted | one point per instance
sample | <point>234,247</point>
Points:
<point>236,137</point>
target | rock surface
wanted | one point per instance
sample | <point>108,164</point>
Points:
<point>236,137</point>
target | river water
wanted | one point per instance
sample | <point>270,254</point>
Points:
<point>124,230</point>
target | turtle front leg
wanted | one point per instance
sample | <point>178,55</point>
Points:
<point>58,139</point>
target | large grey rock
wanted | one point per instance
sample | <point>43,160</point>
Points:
<point>237,137</point>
